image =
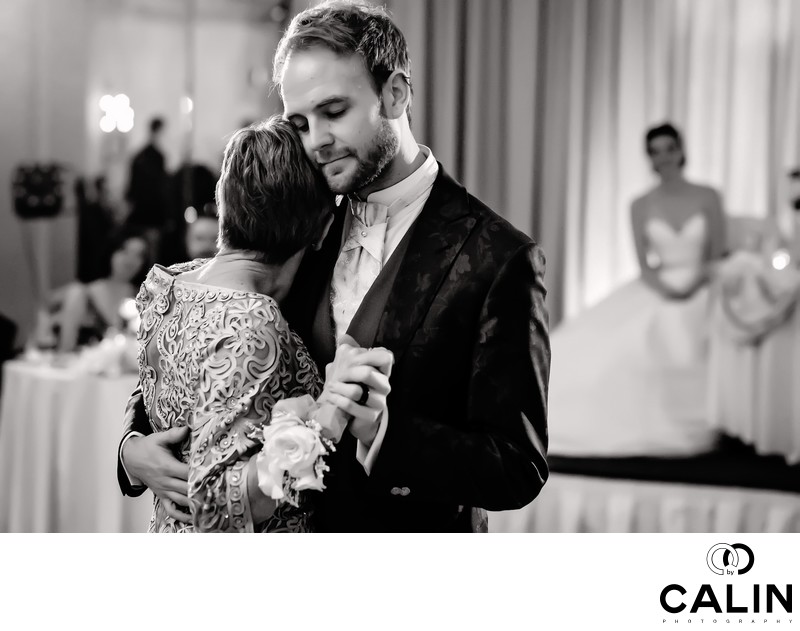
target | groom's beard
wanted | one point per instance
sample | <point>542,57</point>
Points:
<point>380,153</point>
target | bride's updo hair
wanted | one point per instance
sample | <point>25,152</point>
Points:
<point>271,198</point>
<point>669,130</point>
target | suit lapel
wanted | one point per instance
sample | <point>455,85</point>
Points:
<point>437,237</point>
<point>313,277</point>
<point>438,234</point>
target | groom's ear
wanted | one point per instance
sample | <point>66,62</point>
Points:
<point>396,94</point>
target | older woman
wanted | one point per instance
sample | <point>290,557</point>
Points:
<point>215,351</point>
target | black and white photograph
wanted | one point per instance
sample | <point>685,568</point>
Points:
<point>393,273</point>
<point>421,266</point>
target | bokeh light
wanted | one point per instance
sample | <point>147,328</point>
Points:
<point>781,259</point>
<point>118,113</point>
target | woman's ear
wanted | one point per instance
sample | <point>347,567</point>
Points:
<point>396,94</point>
<point>317,245</point>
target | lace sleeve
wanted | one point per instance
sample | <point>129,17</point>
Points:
<point>246,366</point>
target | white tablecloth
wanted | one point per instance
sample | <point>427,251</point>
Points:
<point>573,503</point>
<point>59,433</point>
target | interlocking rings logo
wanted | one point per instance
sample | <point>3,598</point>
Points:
<point>730,558</point>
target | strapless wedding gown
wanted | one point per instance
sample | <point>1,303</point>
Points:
<point>628,376</point>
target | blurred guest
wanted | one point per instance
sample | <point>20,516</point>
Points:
<point>87,311</point>
<point>196,237</point>
<point>95,224</point>
<point>629,375</point>
<point>794,204</point>
<point>794,189</point>
<point>201,237</point>
<point>191,194</point>
<point>8,335</point>
<point>191,186</point>
<point>147,187</point>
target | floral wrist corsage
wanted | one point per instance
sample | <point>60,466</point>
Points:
<point>293,456</point>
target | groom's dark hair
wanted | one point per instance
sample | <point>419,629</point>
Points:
<point>348,28</point>
<point>271,198</point>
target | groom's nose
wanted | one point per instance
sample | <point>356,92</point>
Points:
<point>319,136</point>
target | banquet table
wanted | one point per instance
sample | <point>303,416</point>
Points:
<point>754,368</point>
<point>59,432</point>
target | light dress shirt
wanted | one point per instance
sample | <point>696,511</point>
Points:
<point>405,201</point>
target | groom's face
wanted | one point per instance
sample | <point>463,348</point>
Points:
<point>332,103</point>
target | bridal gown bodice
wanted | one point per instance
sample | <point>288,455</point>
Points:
<point>628,375</point>
<point>217,360</point>
<point>678,251</point>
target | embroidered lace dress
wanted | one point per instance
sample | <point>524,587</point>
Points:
<point>217,360</point>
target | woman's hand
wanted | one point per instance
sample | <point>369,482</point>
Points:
<point>354,372</point>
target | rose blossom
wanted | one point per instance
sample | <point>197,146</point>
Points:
<point>289,447</point>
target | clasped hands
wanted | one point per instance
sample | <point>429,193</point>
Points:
<point>151,458</point>
<point>357,383</point>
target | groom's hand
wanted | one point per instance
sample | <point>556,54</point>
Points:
<point>151,460</point>
<point>354,372</point>
<point>349,353</point>
<point>366,416</point>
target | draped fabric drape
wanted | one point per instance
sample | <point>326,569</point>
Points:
<point>540,106</point>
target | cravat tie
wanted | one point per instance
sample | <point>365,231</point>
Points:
<point>359,263</point>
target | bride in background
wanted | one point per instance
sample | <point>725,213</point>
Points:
<point>628,376</point>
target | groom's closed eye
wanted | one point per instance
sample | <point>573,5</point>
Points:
<point>335,113</point>
<point>301,124</point>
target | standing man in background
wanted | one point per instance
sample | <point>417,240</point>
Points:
<point>147,187</point>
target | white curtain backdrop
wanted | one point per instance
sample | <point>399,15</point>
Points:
<point>727,72</point>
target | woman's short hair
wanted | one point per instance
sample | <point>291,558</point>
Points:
<point>271,198</point>
<point>669,130</point>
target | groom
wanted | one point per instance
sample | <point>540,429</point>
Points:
<point>417,265</point>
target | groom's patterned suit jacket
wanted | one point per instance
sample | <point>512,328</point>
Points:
<point>466,321</point>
